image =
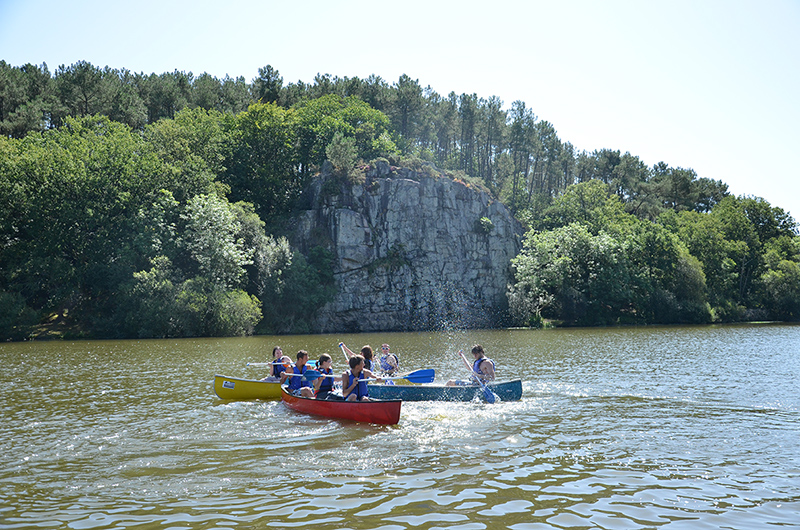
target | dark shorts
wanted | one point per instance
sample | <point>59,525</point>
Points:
<point>329,396</point>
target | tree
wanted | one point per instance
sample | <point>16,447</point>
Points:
<point>308,285</point>
<point>122,101</point>
<point>407,106</point>
<point>208,263</point>
<point>316,122</point>
<point>266,88</point>
<point>166,94</point>
<point>588,203</point>
<point>570,275</point>
<point>520,144</point>
<point>72,192</point>
<point>27,101</point>
<point>194,147</point>
<point>492,140</point>
<point>261,167</point>
<point>342,153</point>
<point>206,92</point>
<point>213,241</point>
<point>79,87</point>
<point>779,284</point>
<point>234,95</point>
<point>674,186</point>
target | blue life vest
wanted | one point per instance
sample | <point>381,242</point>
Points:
<point>327,382</point>
<point>361,388</point>
<point>476,367</point>
<point>385,366</point>
<point>296,382</point>
<point>278,369</point>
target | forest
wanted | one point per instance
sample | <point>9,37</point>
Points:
<point>136,205</point>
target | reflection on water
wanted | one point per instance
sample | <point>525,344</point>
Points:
<point>675,427</point>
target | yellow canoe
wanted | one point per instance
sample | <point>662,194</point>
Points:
<point>235,388</point>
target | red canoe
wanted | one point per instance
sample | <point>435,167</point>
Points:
<point>384,412</point>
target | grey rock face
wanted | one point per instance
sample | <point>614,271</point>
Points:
<point>411,254</point>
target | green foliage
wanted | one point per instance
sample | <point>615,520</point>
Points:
<point>484,225</point>
<point>115,214</point>
<point>193,147</point>
<point>317,121</point>
<point>72,193</point>
<point>394,260</point>
<point>589,203</point>
<point>308,285</point>
<point>635,272</point>
<point>342,154</point>
<point>571,275</point>
<point>16,318</point>
<point>212,238</point>
<point>262,166</point>
<point>205,253</point>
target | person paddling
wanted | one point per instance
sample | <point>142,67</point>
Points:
<point>323,386</point>
<point>297,384</point>
<point>482,367</point>
<point>366,352</point>
<point>389,362</point>
<point>280,363</point>
<point>354,384</point>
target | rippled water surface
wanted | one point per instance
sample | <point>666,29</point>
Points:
<point>676,427</point>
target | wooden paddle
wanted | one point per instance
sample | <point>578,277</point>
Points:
<point>487,394</point>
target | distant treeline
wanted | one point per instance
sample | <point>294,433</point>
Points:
<point>150,205</point>
<point>517,156</point>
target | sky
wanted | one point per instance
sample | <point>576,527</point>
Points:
<point>703,84</point>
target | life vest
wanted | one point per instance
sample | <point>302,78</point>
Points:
<point>327,382</point>
<point>278,369</point>
<point>385,366</point>
<point>360,390</point>
<point>476,366</point>
<point>296,382</point>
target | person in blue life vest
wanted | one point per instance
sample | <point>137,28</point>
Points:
<point>482,367</point>
<point>366,353</point>
<point>354,380</point>
<point>279,364</point>
<point>388,363</point>
<point>323,386</point>
<point>298,386</point>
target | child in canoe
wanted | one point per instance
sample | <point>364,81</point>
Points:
<point>354,380</point>
<point>323,386</point>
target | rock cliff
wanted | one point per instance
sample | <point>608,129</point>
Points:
<point>412,252</point>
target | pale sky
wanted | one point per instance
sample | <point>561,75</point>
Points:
<point>708,85</point>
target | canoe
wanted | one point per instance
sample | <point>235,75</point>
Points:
<point>235,388</point>
<point>505,391</point>
<point>384,412</point>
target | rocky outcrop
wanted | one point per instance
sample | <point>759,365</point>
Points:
<point>412,251</point>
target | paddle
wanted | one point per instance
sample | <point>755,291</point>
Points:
<point>262,364</point>
<point>425,375</point>
<point>346,357</point>
<point>309,362</point>
<point>310,375</point>
<point>487,394</point>
<point>420,376</point>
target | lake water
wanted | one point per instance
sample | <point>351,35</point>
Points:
<point>623,428</point>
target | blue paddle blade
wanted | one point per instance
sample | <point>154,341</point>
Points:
<point>310,375</point>
<point>421,376</point>
<point>488,394</point>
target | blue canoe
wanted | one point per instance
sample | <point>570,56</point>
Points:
<point>505,391</point>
